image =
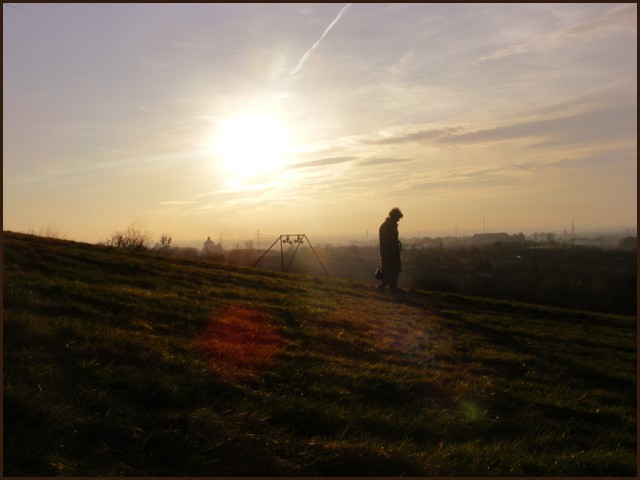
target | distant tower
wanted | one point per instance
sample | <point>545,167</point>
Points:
<point>573,229</point>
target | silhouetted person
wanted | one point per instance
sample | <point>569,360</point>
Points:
<point>390,248</point>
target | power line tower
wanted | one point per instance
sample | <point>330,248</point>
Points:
<point>298,239</point>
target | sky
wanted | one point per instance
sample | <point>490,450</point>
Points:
<point>223,120</point>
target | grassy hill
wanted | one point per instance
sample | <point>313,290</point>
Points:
<point>121,364</point>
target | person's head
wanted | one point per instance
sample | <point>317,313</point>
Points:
<point>395,214</point>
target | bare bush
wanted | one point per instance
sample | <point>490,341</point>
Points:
<point>133,239</point>
<point>50,232</point>
<point>164,245</point>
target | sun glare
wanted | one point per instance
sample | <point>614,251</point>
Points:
<point>252,145</point>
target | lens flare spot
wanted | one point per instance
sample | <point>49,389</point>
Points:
<point>240,342</point>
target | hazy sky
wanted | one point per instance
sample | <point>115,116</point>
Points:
<point>221,119</point>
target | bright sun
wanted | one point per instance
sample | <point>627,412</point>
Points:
<point>252,145</point>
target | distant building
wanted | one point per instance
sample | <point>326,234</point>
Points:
<point>210,248</point>
<point>587,241</point>
<point>490,238</point>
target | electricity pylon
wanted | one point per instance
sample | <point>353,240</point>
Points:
<point>296,238</point>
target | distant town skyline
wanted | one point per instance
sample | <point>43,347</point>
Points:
<point>203,120</point>
<point>260,240</point>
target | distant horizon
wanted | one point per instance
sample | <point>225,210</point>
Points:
<point>270,237</point>
<point>341,239</point>
<point>338,239</point>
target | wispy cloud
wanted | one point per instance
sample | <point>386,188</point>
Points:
<point>111,150</point>
<point>178,202</point>
<point>323,162</point>
<point>382,161</point>
<point>573,124</point>
<point>505,52</point>
<point>619,19</point>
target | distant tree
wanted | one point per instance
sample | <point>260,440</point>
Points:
<point>628,243</point>
<point>164,244</point>
<point>133,239</point>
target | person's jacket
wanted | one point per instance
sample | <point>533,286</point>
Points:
<point>390,246</point>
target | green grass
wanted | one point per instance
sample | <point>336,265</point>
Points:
<point>138,365</point>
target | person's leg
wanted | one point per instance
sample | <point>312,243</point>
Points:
<point>393,282</point>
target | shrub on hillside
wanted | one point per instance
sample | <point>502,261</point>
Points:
<point>133,239</point>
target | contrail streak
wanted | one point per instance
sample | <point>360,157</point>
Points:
<point>306,55</point>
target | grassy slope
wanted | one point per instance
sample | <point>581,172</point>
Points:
<point>118,364</point>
